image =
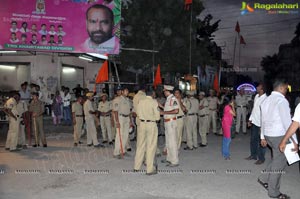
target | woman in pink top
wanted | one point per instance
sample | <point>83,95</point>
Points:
<point>228,114</point>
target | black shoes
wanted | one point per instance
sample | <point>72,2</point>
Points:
<point>202,145</point>
<point>187,148</point>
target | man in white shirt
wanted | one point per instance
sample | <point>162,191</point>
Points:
<point>275,120</point>
<point>66,107</point>
<point>257,151</point>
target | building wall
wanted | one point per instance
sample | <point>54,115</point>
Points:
<point>45,69</point>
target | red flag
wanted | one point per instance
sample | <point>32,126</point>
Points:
<point>216,83</point>
<point>103,73</point>
<point>237,27</point>
<point>242,40</point>
<point>187,4</point>
<point>157,79</point>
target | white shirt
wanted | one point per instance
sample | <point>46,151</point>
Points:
<point>241,100</point>
<point>108,46</point>
<point>67,99</point>
<point>87,107</point>
<point>255,114</point>
<point>296,118</point>
<point>275,116</point>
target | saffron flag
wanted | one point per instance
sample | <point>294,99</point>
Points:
<point>102,74</point>
<point>216,83</point>
<point>187,4</point>
<point>242,40</point>
<point>157,79</point>
<point>237,27</point>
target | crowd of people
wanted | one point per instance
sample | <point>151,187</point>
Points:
<point>178,116</point>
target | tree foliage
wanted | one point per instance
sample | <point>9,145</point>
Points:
<point>164,26</point>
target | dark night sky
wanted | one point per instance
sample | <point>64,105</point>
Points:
<point>262,32</point>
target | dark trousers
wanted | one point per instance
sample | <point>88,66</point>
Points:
<point>257,151</point>
<point>67,115</point>
<point>272,173</point>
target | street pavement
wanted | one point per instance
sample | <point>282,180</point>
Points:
<point>64,171</point>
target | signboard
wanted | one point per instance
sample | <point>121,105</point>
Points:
<point>206,76</point>
<point>79,26</point>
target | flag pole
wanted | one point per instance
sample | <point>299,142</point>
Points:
<point>234,49</point>
<point>239,55</point>
<point>190,61</point>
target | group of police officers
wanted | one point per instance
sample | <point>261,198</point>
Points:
<point>178,118</point>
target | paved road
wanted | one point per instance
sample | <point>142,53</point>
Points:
<point>62,171</point>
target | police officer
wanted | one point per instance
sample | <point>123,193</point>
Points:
<point>89,113</point>
<point>104,108</point>
<point>121,112</point>
<point>22,109</point>
<point>179,116</point>
<point>192,119</point>
<point>213,103</point>
<point>171,108</point>
<point>241,111</point>
<point>148,114</point>
<point>203,118</point>
<point>139,96</point>
<point>77,115</point>
<point>10,108</point>
<point>36,107</point>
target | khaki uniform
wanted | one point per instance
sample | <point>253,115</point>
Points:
<point>161,125</point>
<point>180,124</point>
<point>241,111</point>
<point>13,131</point>
<point>90,123</point>
<point>22,107</point>
<point>105,120</point>
<point>203,120</point>
<point>148,113</point>
<point>77,110</point>
<point>122,106</point>
<point>192,132</point>
<point>37,122</point>
<point>171,129</point>
<point>212,118</point>
<point>136,99</point>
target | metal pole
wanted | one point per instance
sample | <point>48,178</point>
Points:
<point>234,50</point>
<point>153,67</point>
<point>190,61</point>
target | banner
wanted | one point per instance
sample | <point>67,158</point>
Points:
<point>77,26</point>
<point>206,76</point>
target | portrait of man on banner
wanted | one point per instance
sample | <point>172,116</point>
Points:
<point>100,26</point>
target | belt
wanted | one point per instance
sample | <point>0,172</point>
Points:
<point>169,119</point>
<point>181,116</point>
<point>192,114</point>
<point>147,121</point>
<point>79,115</point>
<point>123,115</point>
<point>105,115</point>
<point>202,115</point>
<point>241,106</point>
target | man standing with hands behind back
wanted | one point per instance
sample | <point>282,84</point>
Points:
<point>276,119</point>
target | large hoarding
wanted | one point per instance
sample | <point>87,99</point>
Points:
<point>79,26</point>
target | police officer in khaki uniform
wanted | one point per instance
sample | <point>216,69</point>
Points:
<point>22,109</point>
<point>170,111</point>
<point>89,113</point>
<point>179,116</point>
<point>241,111</point>
<point>148,114</point>
<point>36,107</point>
<point>136,99</point>
<point>203,118</point>
<point>10,108</point>
<point>104,108</point>
<point>121,112</point>
<point>77,115</point>
<point>192,119</point>
<point>213,103</point>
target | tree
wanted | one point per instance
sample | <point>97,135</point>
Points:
<point>164,26</point>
